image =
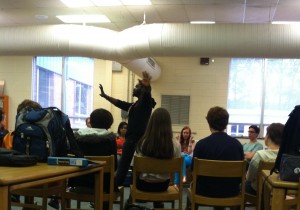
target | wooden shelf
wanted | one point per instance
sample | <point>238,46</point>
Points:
<point>4,105</point>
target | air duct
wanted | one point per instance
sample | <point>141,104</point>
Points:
<point>147,41</point>
<point>144,64</point>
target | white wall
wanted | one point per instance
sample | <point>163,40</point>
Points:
<point>206,86</point>
<point>16,72</point>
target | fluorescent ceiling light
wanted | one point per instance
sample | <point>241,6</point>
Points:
<point>136,2</point>
<point>91,3</point>
<point>77,3</point>
<point>106,2</point>
<point>202,22</point>
<point>285,22</point>
<point>83,18</point>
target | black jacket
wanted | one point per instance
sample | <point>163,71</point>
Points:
<point>290,143</point>
<point>138,115</point>
<point>94,142</point>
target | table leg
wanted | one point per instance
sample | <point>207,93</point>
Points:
<point>62,194</point>
<point>99,190</point>
<point>4,197</point>
<point>278,197</point>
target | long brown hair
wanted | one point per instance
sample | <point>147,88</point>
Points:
<point>182,140</point>
<point>157,140</point>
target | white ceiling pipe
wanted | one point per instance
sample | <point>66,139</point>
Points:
<point>218,40</point>
<point>69,40</point>
<point>149,65</point>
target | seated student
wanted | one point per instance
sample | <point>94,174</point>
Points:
<point>157,142</point>
<point>272,140</point>
<point>88,122</point>
<point>7,142</point>
<point>8,138</point>
<point>95,141</point>
<point>253,145</point>
<point>187,146</point>
<point>218,146</point>
<point>122,129</point>
<point>3,130</point>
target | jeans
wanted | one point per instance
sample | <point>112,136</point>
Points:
<point>187,161</point>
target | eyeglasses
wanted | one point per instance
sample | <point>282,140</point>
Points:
<point>251,131</point>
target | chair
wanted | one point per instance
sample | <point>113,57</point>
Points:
<point>109,168</point>
<point>255,200</point>
<point>154,165</point>
<point>211,168</point>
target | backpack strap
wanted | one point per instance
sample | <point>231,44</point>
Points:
<point>74,148</point>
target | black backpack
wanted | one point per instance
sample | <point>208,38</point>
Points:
<point>44,132</point>
<point>290,144</point>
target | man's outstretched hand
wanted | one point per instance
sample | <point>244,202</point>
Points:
<point>146,79</point>
<point>102,94</point>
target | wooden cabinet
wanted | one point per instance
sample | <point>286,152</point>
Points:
<point>4,106</point>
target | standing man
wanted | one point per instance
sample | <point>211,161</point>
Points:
<point>138,115</point>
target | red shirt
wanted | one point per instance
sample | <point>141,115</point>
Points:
<point>120,143</point>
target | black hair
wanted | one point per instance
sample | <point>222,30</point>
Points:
<point>101,118</point>
<point>121,125</point>
<point>256,128</point>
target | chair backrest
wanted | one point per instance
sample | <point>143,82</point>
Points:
<point>220,169</point>
<point>212,168</point>
<point>263,165</point>
<point>157,166</point>
<point>109,168</point>
<point>108,195</point>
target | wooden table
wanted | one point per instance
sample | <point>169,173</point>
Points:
<point>278,189</point>
<point>12,178</point>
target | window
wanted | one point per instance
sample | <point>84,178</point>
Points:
<point>261,91</point>
<point>179,108</point>
<point>66,83</point>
